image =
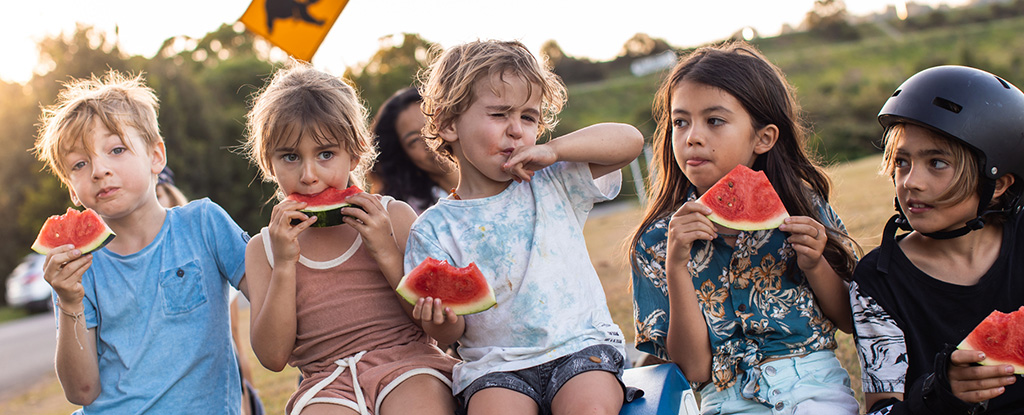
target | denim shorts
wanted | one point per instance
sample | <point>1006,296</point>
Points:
<point>812,384</point>
<point>543,381</point>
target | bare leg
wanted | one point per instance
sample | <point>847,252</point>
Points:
<point>593,392</point>
<point>499,401</point>
<point>420,394</point>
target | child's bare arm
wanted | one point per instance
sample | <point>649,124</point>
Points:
<point>687,342</point>
<point>77,367</point>
<point>438,321</point>
<point>606,147</point>
<point>272,290</point>
<point>385,233</point>
<point>808,238</point>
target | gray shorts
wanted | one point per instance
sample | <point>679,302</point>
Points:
<point>543,381</point>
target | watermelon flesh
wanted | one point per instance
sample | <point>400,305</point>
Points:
<point>745,200</point>
<point>464,290</point>
<point>1001,337</point>
<point>326,205</point>
<point>83,229</point>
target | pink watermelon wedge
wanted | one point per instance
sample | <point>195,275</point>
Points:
<point>1001,337</point>
<point>744,199</point>
<point>326,205</point>
<point>83,229</point>
<point>464,289</point>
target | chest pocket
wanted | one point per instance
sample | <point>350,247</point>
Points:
<point>181,288</point>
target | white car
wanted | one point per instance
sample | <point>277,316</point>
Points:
<point>26,287</point>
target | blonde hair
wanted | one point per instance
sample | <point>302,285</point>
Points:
<point>447,84</point>
<point>174,195</point>
<point>303,101</point>
<point>965,173</point>
<point>116,100</point>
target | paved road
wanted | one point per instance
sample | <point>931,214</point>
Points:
<point>27,346</point>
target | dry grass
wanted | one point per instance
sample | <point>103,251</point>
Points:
<point>862,198</point>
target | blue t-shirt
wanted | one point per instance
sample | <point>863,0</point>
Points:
<point>163,334</point>
<point>528,242</point>
<point>754,306</point>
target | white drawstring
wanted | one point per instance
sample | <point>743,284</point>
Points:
<point>347,362</point>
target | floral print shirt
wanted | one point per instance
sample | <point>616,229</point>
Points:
<point>754,307</point>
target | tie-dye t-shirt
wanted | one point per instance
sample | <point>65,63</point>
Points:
<point>528,243</point>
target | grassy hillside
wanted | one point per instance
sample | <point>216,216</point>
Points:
<point>862,198</point>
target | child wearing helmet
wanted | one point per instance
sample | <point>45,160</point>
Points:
<point>954,146</point>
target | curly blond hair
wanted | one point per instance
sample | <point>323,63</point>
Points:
<point>447,84</point>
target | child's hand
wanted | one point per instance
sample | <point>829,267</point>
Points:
<point>372,222</point>
<point>438,321</point>
<point>974,384</point>
<point>808,238</point>
<point>688,224</point>
<point>526,160</point>
<point>63,269</point>
<point>284,238</point>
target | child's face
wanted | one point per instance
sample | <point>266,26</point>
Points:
<point>712,133</point>
<point>497,123</point>
<point>408,125</point>
<point>307,167</point>
<point>115,177</point>
<point>923,169</point>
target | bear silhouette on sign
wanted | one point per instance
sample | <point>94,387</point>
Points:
<point>289,9</point>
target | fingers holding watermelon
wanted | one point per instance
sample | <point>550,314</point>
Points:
<point>973,383</point>
<point>284,231</point>
<point>63,269</point>
<point>808,239</point>
<point>689,223</point>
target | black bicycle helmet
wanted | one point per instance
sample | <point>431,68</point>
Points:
<point>975,107</point>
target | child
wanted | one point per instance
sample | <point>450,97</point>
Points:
<point>954,141</point>
<point>143,322</point>
<point>406,168</point>
<point>549,345</point>
<point>753,314</point>
<point>323,299</point>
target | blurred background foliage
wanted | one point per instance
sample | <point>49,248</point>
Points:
<point>843,71</point>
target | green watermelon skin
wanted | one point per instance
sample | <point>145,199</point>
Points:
<point>464,290</point>
<point>744,199</point>
<point>326,206</point>
<point>1001,337</point>
<point>83,229</point>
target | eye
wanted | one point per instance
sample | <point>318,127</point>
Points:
<point>289,157</point>
<point>939,164</point>
<point>716,121</point>
<point>530,119</point>
<point>78,166</point>
<point>900,162</point>
<point>680,123</point>
<point>325,155</point>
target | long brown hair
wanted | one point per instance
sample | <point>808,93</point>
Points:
<point>742,71</point>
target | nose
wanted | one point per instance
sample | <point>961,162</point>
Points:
<point>515,130</point>
<point>309,175</point>
<point>912,179</point>
<point>694,136</point>
<point>99,168</point>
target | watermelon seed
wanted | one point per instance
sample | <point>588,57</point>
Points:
<point>730,184</point>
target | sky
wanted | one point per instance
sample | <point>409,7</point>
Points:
<point>594,29</point>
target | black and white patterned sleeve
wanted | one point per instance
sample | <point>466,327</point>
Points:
<point>880,344</point>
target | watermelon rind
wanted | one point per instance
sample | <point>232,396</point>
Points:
<point>102,239</point>
<point>989,361</point>
<point>327,214</point>
<point>756,195</point>
<point>407,290</point>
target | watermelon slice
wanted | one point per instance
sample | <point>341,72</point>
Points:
<point>744,199</point>
<point>83,229</point>
<point>1001,337</point>
<point>326,205</point>
<point>465,289</point>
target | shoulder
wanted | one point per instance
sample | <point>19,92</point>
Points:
<point>867,268</point>
<point>654,232</point>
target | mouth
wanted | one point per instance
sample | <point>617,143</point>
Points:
<point>696,161</point>
<point>106,192</point>
<point>507,152</point>
<point>916,206</point>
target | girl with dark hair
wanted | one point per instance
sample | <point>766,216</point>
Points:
<point>407,169</point>
<point>753,313</point>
